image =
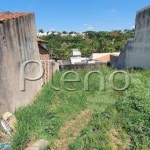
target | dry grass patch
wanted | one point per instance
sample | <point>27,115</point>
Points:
<point>71,129</point>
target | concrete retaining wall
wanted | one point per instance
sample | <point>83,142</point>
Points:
<point>137,50</point>
<point>18,43</point>
<point>141,51</point>
<point>114,61</point>
<point>130,53</point>
<point>123,61</point>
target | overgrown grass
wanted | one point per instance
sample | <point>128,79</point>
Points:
<point>43,118</point>
<point>121,120</point>
<point>124,124</point>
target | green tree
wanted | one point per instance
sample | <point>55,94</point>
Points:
<point>64,32</point>
<point>41,31</point>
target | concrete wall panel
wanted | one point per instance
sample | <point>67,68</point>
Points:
<point>18,43</point>
<point>139,57</point>
<point>137,51</point>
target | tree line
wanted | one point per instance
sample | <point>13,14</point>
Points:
<point>90,42</point>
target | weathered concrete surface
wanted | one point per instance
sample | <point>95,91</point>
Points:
<point>140,55</point>
<point>137,51</point>
<point>129,53</point>
<point>114,61</point>
<point>122,61</point>
<point>18,43</point>
<point>126,55</point>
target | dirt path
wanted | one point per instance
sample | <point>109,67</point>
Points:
<point>71,130</point>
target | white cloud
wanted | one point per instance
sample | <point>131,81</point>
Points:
<point>88,25</point>
<point>114,11</point>
<point>133,27</point>
<point>90,28</point>
<point>120,28</point>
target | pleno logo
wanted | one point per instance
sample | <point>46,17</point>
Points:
<point>77,78</point>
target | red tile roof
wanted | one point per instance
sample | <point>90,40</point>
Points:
<point>40,40</point>
<point>9,15</point>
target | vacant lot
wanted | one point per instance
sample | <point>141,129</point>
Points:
<point>89,120</point>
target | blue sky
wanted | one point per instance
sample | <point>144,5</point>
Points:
<point>79,15</point>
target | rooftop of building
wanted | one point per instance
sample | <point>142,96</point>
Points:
<point>4,16</point>
<point>40,40</point>
<point>98,55</point>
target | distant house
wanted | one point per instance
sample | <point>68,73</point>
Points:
<point>49,65</point>
<point>45,58</point>
<point>74,34</point>
<point>44,54</point>
<point>77,59</point>
<point>76,53</point>
<point>103,57</point>
<point>42,34</point>
<point>64,35</point>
